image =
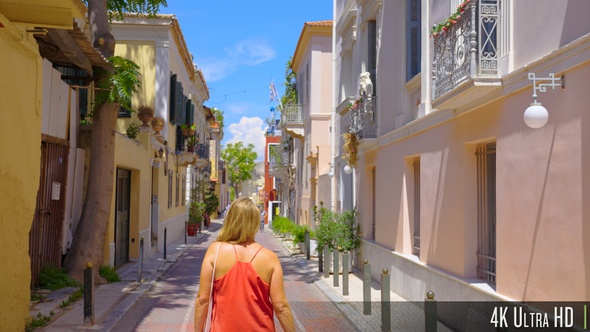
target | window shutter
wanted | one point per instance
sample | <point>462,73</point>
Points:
<point>413,39</point>
<point>172,95</point>
<point>182,112</point>
<point>372,53</point>
<point>178,103</point>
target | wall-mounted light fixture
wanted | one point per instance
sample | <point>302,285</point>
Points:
<point>331,171</point>
<point>536,115</point>
<point>347,169</point>
<point>160,153</point>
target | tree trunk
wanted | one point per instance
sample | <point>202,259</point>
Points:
<point>89,239</point>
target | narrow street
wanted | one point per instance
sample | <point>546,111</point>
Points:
<point>169,305</point>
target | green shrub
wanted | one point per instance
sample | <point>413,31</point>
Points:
<point>282,224</point>
<point>299,233</point>
<point>109,273</point>
<point>54,278</point>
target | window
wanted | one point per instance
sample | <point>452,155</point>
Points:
<point>416,221</point>
<point>169,188</point>
<point>413,39</point>
<point>123,112</point>
<point>177,200</point>
<point>486,211</point>
<point>183,200</point>
<point>372,53</point>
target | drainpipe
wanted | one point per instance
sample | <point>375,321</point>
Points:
<point>333,115</point>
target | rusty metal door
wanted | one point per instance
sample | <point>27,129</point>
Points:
<point>45,236</point>
<point>122,217</point>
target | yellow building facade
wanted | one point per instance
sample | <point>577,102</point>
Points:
<point>21,93</point>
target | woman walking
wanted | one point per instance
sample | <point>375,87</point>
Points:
<point>248,284</point>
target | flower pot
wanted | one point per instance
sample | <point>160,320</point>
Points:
<point>145,118</point>
<point>188,132</point>
<point>191,229</point>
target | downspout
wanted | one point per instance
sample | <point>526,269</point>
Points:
<point>333,115</point>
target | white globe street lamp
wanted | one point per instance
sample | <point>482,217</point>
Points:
<point>347,169</point>
<point>536,115</point>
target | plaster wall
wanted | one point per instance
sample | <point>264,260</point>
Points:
<point>20,144</point>
<point>540,194</point>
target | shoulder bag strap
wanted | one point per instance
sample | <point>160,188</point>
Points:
<point>209,311</point>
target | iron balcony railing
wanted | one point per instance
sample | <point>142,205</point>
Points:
<point>362,118</point>
<point>202,151</point>
<point>292,114</point>
<point>467,47</point>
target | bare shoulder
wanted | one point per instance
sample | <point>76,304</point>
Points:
<point>269,255</point>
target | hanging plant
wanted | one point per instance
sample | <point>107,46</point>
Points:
<point>350,148</point>
<point>449,22</point>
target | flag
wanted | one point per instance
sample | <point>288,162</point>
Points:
<point>274,95</point>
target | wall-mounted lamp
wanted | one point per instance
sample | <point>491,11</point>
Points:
<point>160,153</point>
<point>347,169</point>
<point>331,172</point>
<point>536,115</point>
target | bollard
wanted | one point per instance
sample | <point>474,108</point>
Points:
<point>430,314</point>
<point>366,287</point>
<point>345,255</point>
<point>320,260</point>
<point>326,261</point>
<point>385,301</point>
<point>336,268</point>
<point>307,245</point>
<point>185,225</point>
<point>164,243</point>
<point>140,270</point>
<point>88,295</point>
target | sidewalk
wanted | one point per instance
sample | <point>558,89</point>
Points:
<point>111,301</point>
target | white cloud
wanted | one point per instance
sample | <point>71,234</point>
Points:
<point>249,52</point>
<point>248,130</point>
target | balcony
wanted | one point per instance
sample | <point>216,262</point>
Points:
<point>292,119</point>
<point>467,50</point>
<point>362,118</point>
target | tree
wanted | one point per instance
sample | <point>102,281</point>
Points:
<point>240,161</point>
<point>218,116</point>
<point>290,96</point>
<point>88,242</point>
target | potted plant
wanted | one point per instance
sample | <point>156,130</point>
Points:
<point>211,203</point>
<point>145,113</point>
<point>158,124</point>
<point>132,130</point>
<point>192,142</point>
<point>196,211</point>
<point>188,129</point>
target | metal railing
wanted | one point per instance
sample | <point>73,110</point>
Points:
<point>467,48</point>
<point>292,115</point>
<point>202,151</point>
<point>362,118</point>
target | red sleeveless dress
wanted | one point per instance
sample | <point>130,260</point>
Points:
<point>241,300</point>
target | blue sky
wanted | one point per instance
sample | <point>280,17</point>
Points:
<point>240,46</point>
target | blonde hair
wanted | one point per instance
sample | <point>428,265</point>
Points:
<point>241,223</point>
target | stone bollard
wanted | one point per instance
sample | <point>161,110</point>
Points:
<point>336,268</point>
<point>326,261</point>
<point>307,245</point>
<point>320,260</point>
<point>88,295</point>
<point>385,301</point>
<point>140,269</point>
<point>164,243</point>
<point>345,255</point>
<point>366,287</point>
<point>430,314</point>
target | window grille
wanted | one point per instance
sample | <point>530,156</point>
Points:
<point>413,33</point>
<point>169,189</point>
<point>486,211</point>
<point>416,231</point>
<point>177,200</point>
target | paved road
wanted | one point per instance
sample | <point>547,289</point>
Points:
<point>169,306</point>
